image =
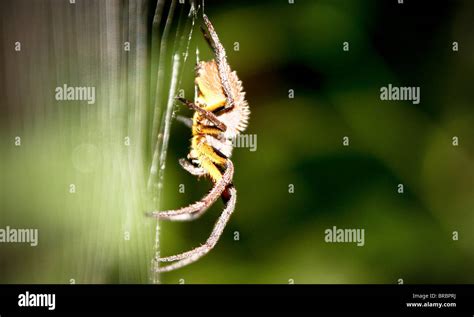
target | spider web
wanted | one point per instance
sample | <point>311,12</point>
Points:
<point>170,61</point>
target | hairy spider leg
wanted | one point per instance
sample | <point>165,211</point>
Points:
<point>193,170</point>
<point>210,167</point>
<point>207,151</point>
<point>202,129</point>
<point>221,60</point>
<point>207,156</point>
<point>205,113</point>
<point>198,208</point>
<point>189,257</point>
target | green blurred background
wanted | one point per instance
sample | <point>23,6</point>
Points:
<point>99,233</point>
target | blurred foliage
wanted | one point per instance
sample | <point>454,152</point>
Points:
<point>281,47</point>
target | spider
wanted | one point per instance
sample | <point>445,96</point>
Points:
<point>220,114</point>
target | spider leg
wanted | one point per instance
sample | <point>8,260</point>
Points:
<point>208,38</point>
<point>206,114</point>
<point>193,170</point>
<point>221,60</point>
<point>208,130</point>
<point>189,257</point>
<point>198,208</point>
<point>210,153</point>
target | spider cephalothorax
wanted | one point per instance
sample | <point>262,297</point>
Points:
<point>221,113</point>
